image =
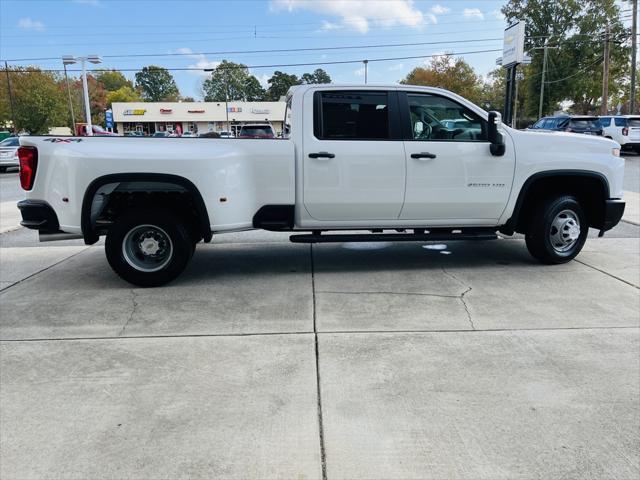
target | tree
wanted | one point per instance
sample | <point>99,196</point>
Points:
<point>232,81</point>
<point>156,84</point>
<point>123,94</point>
<point>452,74</point>
<point>38,99</point>
<point>97,100</point>
<point>279,85</point>
<point>113,80</point>
<point>574,29</point>
<point>318,76</point>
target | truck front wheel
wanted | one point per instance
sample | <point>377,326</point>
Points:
<point>557,231</point>
<point>147,248</point>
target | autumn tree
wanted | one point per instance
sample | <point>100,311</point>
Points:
<point>232,81</point>
<point>123,94</point>
<point>318,76</point>
<point>449,73</point>
<point>156,84</point>
<point>574,28</point>
<point>113,80</point>
<point>39,102</point>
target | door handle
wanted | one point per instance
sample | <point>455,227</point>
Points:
<point>423,155</point>
<point>321,155</point>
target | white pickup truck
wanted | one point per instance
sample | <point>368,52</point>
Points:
<point>375,159</point>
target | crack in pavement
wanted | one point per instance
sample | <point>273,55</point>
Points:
<point>133,312</point>
<point>461,297</point>
<point>606,273</point>
<point>391,293</point>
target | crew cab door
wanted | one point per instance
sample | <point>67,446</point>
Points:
<point>452,177</point>
<point>353,156</point>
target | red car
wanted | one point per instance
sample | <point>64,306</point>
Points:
<point>81,130</point>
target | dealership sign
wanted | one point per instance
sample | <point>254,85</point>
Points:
<point>135,111</point>
<point>513,45</point>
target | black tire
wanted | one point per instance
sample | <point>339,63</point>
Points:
<point>172,239</point>
<point>542,230</point>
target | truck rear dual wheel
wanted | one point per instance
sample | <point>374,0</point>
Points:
<point>148,248</point>
<point>558,230</point>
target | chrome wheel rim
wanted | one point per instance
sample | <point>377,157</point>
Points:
<point>565,231</point>
<point>147,248</point>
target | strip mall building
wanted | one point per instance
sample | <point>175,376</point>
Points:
<point>197,117</point>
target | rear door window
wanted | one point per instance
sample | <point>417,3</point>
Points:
<point>606,121</point>
<point>621,122</point>
<point>352,115</point>
<point>634,122</point>
<point>585,124</point>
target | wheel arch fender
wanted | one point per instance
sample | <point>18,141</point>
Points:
<point>533,182</point>
<point>88,230</point>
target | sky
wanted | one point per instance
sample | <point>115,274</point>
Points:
<point>198,34</point>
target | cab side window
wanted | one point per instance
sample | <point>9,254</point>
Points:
<point>351,115</point>
<point>605,121</point>
<point>436,118</point>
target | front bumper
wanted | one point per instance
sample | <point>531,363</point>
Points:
<point>38,215</point>
<point>613,211</point>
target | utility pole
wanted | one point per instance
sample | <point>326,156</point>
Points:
<point>605,73</point>
<point>634,52</point>
<point>13,112</point>
<point>366,62</point>
<point>544,71</point>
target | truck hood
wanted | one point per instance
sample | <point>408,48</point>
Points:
<point>563,141</point>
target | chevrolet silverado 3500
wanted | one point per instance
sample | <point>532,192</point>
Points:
<point>375,159</point>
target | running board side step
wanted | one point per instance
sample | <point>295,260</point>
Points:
<point>437,235</point>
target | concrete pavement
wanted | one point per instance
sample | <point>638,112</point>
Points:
<point>276,360</point>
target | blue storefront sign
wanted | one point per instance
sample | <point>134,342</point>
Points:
<point>109,118</point>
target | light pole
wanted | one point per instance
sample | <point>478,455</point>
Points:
<point>366,63</point>
<point>95,59</point>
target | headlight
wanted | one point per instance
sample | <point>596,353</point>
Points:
<point>616,152</point>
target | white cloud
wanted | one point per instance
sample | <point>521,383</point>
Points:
<point>498,15</point>
<point>473,13</point>
<point>431,17</point>
<point>439,10</point>
<point>28,24</point>
<point>397,66</point>
<point>359,72</point>
<point>359,14</point>
<point>329,26</point>
<point>263,79</point>
<point>202,61</point>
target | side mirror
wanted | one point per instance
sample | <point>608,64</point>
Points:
<point>497,146</point>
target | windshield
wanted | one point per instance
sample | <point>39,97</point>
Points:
<point>10,142</point>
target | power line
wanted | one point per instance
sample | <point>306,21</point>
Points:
<point>336,62</point>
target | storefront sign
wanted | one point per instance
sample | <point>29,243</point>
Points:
<point>234,109</point>
<point>195,111</point>
<point>137,111</point>
<point>166,110</point>
<point>260,110</point>
<point>108,116</point>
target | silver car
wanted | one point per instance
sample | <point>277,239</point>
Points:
<point>9,153</point>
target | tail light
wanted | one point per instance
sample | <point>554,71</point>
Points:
<point>625,131</point>
<point>28,157</point>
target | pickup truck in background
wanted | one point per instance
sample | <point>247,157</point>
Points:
<point>377,160</point>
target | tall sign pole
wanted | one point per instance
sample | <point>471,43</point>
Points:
<point>605,73</point>
<point>512,56</point>
<point>634,52</point>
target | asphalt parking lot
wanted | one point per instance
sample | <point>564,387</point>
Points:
<point>268,359</point>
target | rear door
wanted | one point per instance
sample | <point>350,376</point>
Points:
<point>353,156</point>
<point>452,178</point>
<point>634,129</point>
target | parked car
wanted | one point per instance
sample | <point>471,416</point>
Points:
<point>9,153</point>
<point>624,129</point>
<point>98,131</point>
<point>589,125</point>
<point>160,135</point>
<point>225,134</point>
<point>364,158</point>
<point>257,131</point>
<point>134,133</point>
<point>189,134</point>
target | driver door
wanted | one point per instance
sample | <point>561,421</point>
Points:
<point>452,178</point>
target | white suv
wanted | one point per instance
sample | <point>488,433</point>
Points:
<point>624,129</point>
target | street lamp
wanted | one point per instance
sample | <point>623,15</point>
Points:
<point>95,59</point>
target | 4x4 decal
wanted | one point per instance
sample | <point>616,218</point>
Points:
<point>62,140</point>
